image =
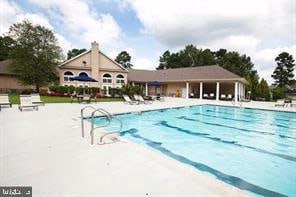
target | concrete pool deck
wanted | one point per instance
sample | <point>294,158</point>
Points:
<point>43,149</point>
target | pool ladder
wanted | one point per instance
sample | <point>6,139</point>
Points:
<point>109,117</point>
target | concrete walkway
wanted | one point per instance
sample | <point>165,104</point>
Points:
<point>43,149</point>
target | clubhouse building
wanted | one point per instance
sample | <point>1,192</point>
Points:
<point>192,82</point>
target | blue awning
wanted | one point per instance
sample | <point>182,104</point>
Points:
<point>154,83</point>
<point>83,78</point>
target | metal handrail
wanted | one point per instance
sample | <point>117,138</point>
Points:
<point>82,118</point>
<point>109,118</point>
<point>120,127</point>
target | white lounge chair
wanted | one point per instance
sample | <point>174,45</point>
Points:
<point>36,99</point>
<point>280,103</point>
<point>129,101</point>
<point>142,100</point>
<point>212,95</point>
<point>4,100</point>
<point>293,103</point>
<point>229,97</point>
<point>26,102</point>
<point>205,96</point>
<point>223,97</point>
<point>86,98</point>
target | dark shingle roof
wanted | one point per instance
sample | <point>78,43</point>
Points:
<point>203,73</point>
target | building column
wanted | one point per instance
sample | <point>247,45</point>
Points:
<point>200,90</point>
<point>146,89</point>
<point>239,91</point>
<point>235,92</point>
<point>187,90</point>
<point>217,90</point>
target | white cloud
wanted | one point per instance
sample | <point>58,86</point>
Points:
<point>143,63</point>
<point>63,43</point>
<point>80,21</point>
<point>265,60</point>
<point>12,13</point>
<point>36,19</point>
<point>180,22</point>
<point>8,12</point>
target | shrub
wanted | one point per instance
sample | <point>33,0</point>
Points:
<point>27,91</point>
<point>115,92</point>
<point>43,92</point>
<point>278,93</point>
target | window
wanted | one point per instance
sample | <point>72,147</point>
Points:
<point>120,79</point>
<point>67,75</point>
<point>107,78</point>
<point>83,74</point>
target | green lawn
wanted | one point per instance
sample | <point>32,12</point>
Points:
<point>15,99</point>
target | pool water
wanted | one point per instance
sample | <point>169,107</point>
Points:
<point>254,150</point>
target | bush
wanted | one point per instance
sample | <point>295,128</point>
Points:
<point>115,92</point>
<point>43,92</point>
<point>279,93</point>
<point>27,91</point>
<point>131,90</point>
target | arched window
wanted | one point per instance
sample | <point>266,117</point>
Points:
<point>107,78</point>
<point>83,74</point>
<point>120,79</point>
<point>67,75</point>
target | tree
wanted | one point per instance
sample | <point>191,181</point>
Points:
<point>264,90</point>
<point>74,52</point>
<point>253,84</point>
<point>6,43</point>
<point>283,73</point>
<point>124,59</point>
<point>35,54</point>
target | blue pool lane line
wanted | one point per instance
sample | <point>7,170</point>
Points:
<point>239,120</point>
<point>231,127</point>
<point>216,139</point>
<point>250,114</point>
<point>235,181</point>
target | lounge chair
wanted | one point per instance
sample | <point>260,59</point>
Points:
<point>223,97</point>
<point>4,100</point>
<point>159,98</point>
<point>36,99</point>
<point>86,98</point>
<point>26,102</point>
<point>229,97</point>
<point>129,101</point>
<point>212,95</point>
<point>205,96</point>
<point>142,100</point>
<point>293,103</point>
<point>280,103</point>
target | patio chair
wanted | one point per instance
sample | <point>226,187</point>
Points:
<point>212,95</point>
<point>26,102</point>
<point>280,103</point>
<point>129,101</point>
<point>4,100</point>
<point>142,100</point>
<point>205,96</point>
<point>86,98</point>
<point>223,97</point>
<point>159,98</point>
<point>36,99</point>
<point>293,103</point>
<point>229,97</point>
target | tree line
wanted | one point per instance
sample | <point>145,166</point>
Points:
<point>35,53</point>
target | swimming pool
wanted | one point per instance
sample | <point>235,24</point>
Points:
<point>251,149</point>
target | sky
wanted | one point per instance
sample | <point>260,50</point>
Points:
<point>260,29</point>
